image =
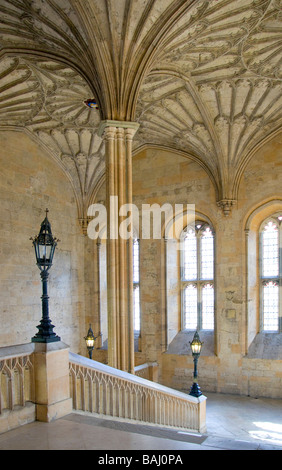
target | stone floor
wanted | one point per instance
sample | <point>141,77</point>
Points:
<point>233,423</point>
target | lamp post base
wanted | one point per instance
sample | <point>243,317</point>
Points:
<point>39,339</point>
<point>45,333</point>
<point>195,390</point>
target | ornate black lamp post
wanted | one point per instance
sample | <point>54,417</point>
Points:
<point>90,340</point>
<point>44,245</point>
<point>196,347</point>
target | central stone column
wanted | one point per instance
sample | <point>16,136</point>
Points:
<point>118,138</point>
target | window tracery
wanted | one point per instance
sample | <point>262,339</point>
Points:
<point>271,273</point>
<point>197,276</point>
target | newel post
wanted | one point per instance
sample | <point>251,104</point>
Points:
<point>51,381</point>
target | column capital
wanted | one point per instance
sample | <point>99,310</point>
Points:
<point>117,124</point>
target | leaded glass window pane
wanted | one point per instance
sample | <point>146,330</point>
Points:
<point>207,254</point>
<point>208,307</point>
<point>136,261</point>
<point>190,307</point>
<point>190,256</point>
<point>136,303</point>
<point>270,306</point>
<point>270,250</point>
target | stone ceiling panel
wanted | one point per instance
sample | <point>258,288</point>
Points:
<point>200,76</point>
<point>46,99</point>
<point>41,24</point>
<point>228,55</point>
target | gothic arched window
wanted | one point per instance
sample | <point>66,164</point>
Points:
<point>271,273</point>
<point>197,276</point>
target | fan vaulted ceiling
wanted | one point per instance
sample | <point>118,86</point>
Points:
<point>201,77</point>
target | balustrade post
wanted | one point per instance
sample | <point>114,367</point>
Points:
<point>51,374</point>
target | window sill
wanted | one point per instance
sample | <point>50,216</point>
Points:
<point>180,343</point>
<point>266,346</point>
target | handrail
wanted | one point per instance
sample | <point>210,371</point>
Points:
<point>149,370</point>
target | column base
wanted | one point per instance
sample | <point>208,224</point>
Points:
<point>195,390</point>
<point>48,413</point>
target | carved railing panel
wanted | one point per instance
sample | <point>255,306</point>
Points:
<point>16,377</point>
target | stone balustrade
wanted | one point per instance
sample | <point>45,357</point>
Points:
<point>45,382</point>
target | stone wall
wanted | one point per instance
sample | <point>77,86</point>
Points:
<point>30,182</point>
<point>159,177</point>
<point>234,360</point>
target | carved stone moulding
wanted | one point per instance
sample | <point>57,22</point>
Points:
<point>226,205</point>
